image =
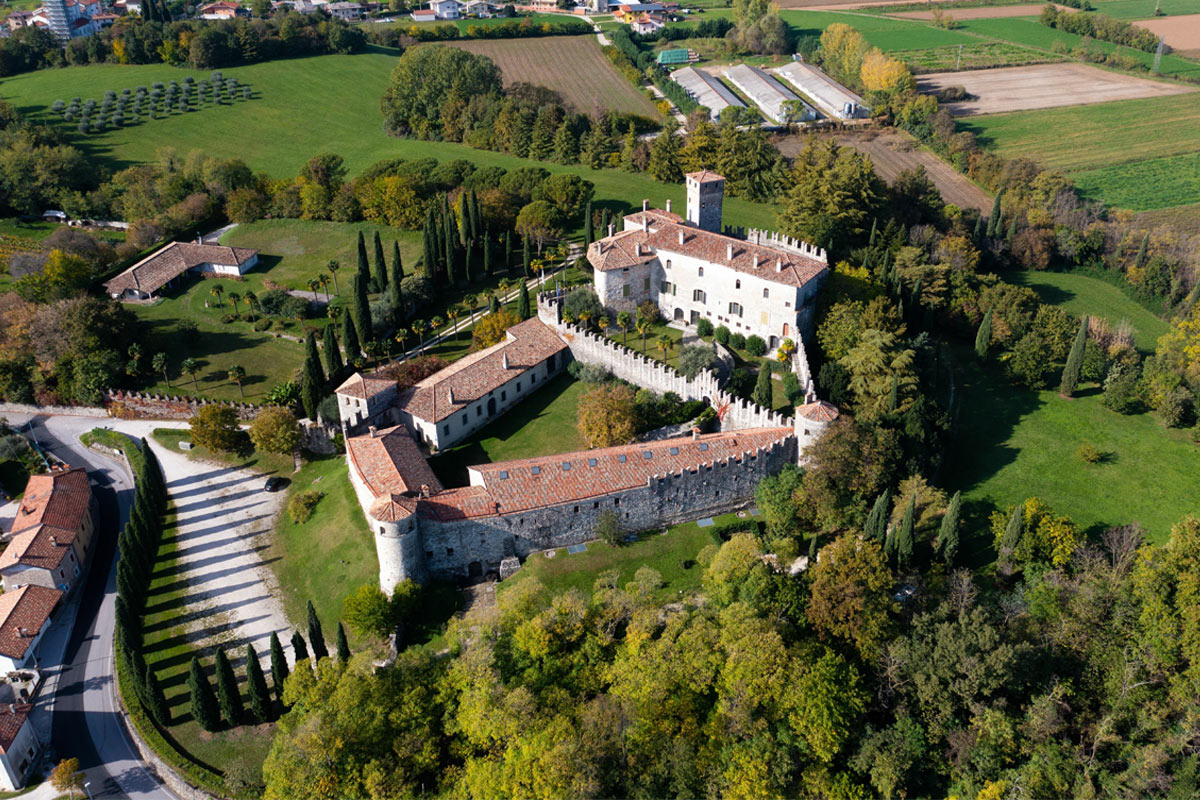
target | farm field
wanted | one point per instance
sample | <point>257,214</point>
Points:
<point>573,66</point>
<point>1185,219</point>
<point>464,24</point>
<point>886,33</point>
<point>892,152</point>
<point>1181,33</point>
<point>1144,185</point>
<point>1143,9</point>
<point>305,88</point>
<point>973,56</point>
<point>979,12</point>
<point>1043,86</point>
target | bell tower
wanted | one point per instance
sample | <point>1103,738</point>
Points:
<point>705,192</point>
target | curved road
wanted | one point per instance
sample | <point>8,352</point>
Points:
<point>86,724</point>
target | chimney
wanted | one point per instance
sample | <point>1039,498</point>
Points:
<point>54,541</point>
<point>729,251</point>
<point>504,360</point>
<point>756,260</point>
<point>645,206</point>
<point>611,229</point>
<point>668,205</point>
<point>450,395</point>
<point>695,434</point>
<point>372,430</point>
<point>778,265</point>
<point>425,490</point>
<point>637,248</point>
<point>681,236</point>
<point>645,223</point>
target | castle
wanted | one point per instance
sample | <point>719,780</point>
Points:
<point>512,509</point>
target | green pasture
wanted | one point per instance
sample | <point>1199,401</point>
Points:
<point>1082,294</point>
<point>980,55</point>
<point>1144,185</point>
<point>1144,9</point>
<point>886,33</point>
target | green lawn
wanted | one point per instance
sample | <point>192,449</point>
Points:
<point>1082,294</point>
<point>633,340</point>
<point>247,458</point>
<point>886,33</point>
<point>1144,185</point>
<point>304,106</point>
<point>1012,443</point>
<point>542,424</point>
<point>672,554</point>
<point>1144,9</point>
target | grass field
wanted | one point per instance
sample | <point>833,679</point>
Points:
<point>542,424</point>
<point>1143,9</point>
<point>1185,219</point>
<point>464,24</point>
<point>1082,294</point>
<point>266,135</point>
<point>1138,154</point>
<point>673,555</point>
<point>973,56</point>
<point>886,33</point>
<point>573,66</point>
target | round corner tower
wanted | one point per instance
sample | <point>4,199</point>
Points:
<point>811,422</point>
<point>397,542</point>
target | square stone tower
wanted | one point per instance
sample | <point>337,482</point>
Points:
<point>705,191</point>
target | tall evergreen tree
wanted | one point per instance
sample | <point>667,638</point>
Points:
<point>204,702</point>
<point>1140,259</point>
<point>449,237</point>
<point>485,245</point>
<point>947,541</point>
<point>526,258</point>
<point>299,648</point>
<point>980,230</point>
<point>228,696</point>
<point>429,251</point>
<point>904,534</point>
<point>312,359</point>
<point>381,275</point>
<point>362,311</point>
<point>523,310</point>
<point>312,381</point>
<point>588,233</point>
<point>256,684</point>
<point>350,337</point>
<point>507,250</point>
<point>762,388</point>
<point>343,645</point>
<point>364,269</point>
<point>983,338</point>
<point>1012,532</point>
<point>476,217</point>
<point>156,700</point>
<point>875,527</point>
<point>333,354</point>
<point>316,637</point>
<point>493,304</point>
<point>467,276</point>
<point>994,218</point>
<point>279,666</point>
<point>1070,375</point>
<point>395,293</point>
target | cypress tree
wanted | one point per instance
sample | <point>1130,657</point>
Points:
<point>979,230</point>
<point>486,246</point>
<point>279,666</point>
<point>467,266</point>
<point>762,387</point>
<point>894,394</point>
<point>525,258</point>
<point>875,527</point>
<point>1070,375</point>
<point>350,337</point>
<point>316,636</point>
<point>493,304</point>
<point>299,649</point>
<point>904,533</point>
<point>1012,532</point>
<point>333,354</point>
<point>983,338</point>
<point>312,363</point>
<point>465,233</point>
<point>523,301</point>
<point>364,270</point>
<point>137,671</point>
<point>362,311</point>
<point>311,382</point>
<point>1012,231</point>
<point>947,541</point>
<point>507,250</point>
<point>381,276</point>
<point>994,218</point>
<point>395,293</point>
<point>343,646</point>
<point>812,549</point>
<point>204,702</point>
<point>256,682</point>
<point>156,700</point>
<point>588,234</point>
<point>228,696</point>
<point>476,216</point>
<point>429,250</point>
<point>1140,259</point>
<point>874,226</point>
<point>448,239</point>
<point>128,586</point>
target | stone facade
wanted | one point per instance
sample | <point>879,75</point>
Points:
<point>136,405</point>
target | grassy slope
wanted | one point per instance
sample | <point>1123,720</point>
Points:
<point>886,33</point>
<point>305,106</point>
<point>1144,185</point>
<point>543,424</point>
<point>1081,294</point>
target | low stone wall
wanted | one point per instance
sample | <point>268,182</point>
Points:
<point>78,411</point>
<point>136,405</point>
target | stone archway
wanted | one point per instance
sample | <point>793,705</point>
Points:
<point>679,315</point>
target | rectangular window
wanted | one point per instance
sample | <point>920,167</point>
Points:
<point>765,318</point>
<point>466,419</point>
<point>446,429</point>
<point>646,285</point>
<point>766,293</point>
<point>479,411</point>
<point>625,290</point>
<point>449,551</point>
<point>503,396</point>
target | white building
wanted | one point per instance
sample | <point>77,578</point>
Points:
<point>446,9</point>
<point>162,267</point>
<point>776,101</point>
<point>755,284</point>
<point>347,12</point>
<point>830,96</point>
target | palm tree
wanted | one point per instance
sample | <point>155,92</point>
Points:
<point>217,291</point>
<point>159,364</point>
<point>191,366</point>
<point>234,299</point>
<point>402,338</point>
<point>436,324</point>
<point>323,279</point>
<point>251,300</point>
<point>237,374</point>
<point>469,300</point>
<point>313,285</point>
<point>624,322</point>
<point>585,320</point>
<point>419,327</point>
<point>454,312</point>
<point>643,327</point>
<point>333,266</point>
<point>539,268</point>
<point>665,344</point>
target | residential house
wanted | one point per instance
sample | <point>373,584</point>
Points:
<point>222,9</point>
<point>424,15</point>
<point>162,267</point>
<point>446,9</point>
<point>646,24</point>
<point>346,12</point>
<point>19,745</point>
<point>24,619</point>
<point>52,532</point>
<point>366,400</point>
<point>479,9</point>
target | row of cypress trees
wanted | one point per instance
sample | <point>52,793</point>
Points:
<point>137,545</point>
<point>898,539</point>
<point>211,708</point>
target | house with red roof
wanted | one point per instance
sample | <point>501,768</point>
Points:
<point>19,745</point>
<point>164,266</point>
<point>24,619</point>
<point>52,533</point>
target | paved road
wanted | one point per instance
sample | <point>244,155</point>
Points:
<point>85,721</point>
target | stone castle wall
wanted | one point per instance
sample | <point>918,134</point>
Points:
<point>136,405</point>
<point>591,348</point>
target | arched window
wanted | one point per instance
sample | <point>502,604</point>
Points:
<point>702,272</point>
<point>766,293</point>
<point>668,263</point>
<point>698,295</point>
<point>735,309</point>
<point>737,284</point>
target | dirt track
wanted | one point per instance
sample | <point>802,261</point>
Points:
<point>1182,33</point>
<point>986,12</point>
<point>893,152</point>
<point>1042,86</point>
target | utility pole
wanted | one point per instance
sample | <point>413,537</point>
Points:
<point>958,63</point>
<point>1158,54</point>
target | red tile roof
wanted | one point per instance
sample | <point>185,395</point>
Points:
<point>43,546</point>
<point>514,486</point>
<point>172,260</point>
<point>819,411</point>
<point>364,386</point>
<point>12,718</point>
<point>23,612</point>
<point>705,175</point>
<point>467,380</point>
<point>59,498</point>
<point>639,246</point>
<point>390,462</point>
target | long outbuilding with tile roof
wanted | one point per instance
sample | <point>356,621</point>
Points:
<point>146,278</point>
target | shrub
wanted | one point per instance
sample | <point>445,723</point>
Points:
<point>263,324</point>
<point>1089,454</point>
<point>275,430</point>
<point>793,389</point>
<point>695,358</point>
<point>755,346</point>
<point>593,373</point>
<point>608,529</point>
<point>722,335</point>
<point>1177,409</point>
<point>302,504</point>
<point>704,327</point>
<point>1122,392</point>
<point>737,341</point>
<point>215,427</point>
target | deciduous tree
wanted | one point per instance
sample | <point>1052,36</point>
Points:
<point>606,415</point>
